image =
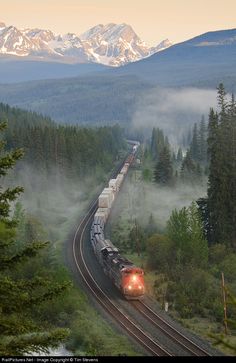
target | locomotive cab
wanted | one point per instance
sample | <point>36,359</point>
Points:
<point>133,283</point>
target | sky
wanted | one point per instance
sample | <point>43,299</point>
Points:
<point>152,20</point>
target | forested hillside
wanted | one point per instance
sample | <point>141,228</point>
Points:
<point>177,219</point>
<point>98,100</point>
<point>112,95</point>
<point>69,150</point>
<point>62,169</point>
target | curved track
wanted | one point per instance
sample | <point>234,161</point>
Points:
<point>131,328</point>
<point>188,345</point>
<point>151,347</point>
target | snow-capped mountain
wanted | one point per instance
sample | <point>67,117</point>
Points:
<point>111,44</point>
<point>14,42</point>
<point>115,44</point>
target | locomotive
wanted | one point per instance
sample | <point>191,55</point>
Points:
<point>127,277</point>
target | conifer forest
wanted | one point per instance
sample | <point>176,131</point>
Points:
<point>176,217</point>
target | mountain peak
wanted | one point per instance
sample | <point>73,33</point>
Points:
<point>166,43</point>
<point>110,44</point>
<point>114,44</point>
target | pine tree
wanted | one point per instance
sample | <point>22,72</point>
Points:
<point>163,172</point>
<point>19,333</point>
<point>222,171</point>
<point>188,172</point>
<point>221,99</point>
<point>179,155</point>
<point>7,162</point>
<point>194,146</point>
<point>203,141</point>
<point>158,141</point>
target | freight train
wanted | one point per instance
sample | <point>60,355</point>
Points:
<point>127,277</point>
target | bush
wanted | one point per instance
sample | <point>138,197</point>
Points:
<point>228,266</point>
<point>159,253</point>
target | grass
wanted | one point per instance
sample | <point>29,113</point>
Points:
<point>206,328</point>
<point>91,334</point>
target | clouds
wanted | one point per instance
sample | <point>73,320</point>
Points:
<point>173,110</point>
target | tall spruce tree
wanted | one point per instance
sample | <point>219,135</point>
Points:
<point>222,173</point>
<point>203,141</point>
<point>194,146</point>
<point>163,172</point>
<point>19,332</point>
<point>158,141</point>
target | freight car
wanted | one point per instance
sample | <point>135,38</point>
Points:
<point>127,277</point>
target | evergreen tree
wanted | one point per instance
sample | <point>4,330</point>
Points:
<point>222,171</point>
<point>188,172</point>
<point>179,156</point>
<point>203,141</point>
<point>163,172</point>
<point>158,142</point>
<point>70,151</point>
<point>7,162</point>
<point>194,146</point>
<point>204,211</point>
<point>19,332</point>
<point>221,99</point>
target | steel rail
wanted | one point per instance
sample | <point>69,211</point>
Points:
<point>133,330</point>
<point>147,342</point>
<point>169,330</point>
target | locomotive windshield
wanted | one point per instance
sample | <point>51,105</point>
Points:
<point>137,272</point>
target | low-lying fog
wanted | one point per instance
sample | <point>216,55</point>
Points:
<point>58,204</point>
<point>55,201</point>
<point>142,200</point>
<point>173,110</point>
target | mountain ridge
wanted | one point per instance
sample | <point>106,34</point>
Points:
<point>199,60</point>
<point>111,44</point>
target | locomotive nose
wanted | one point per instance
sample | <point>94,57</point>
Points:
<point>135,287</point>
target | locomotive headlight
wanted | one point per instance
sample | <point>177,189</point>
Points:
<point>134,278</point>
<point>140,287</point>
<point>129,287</point>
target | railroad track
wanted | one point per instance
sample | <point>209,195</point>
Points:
<point>176,336</point>
<point>127,324</point>
<point>143,339</point>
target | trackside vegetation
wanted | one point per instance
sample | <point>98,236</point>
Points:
<point>184,257</point>
<point>23,325</point>
<point>40,307</point>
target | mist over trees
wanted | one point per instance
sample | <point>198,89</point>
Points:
<point>64,151</point>
<point>198,241</point>
<point>186,165</point>
<point>60,167</point>
<point>23,324</point>
<point>186,255</point>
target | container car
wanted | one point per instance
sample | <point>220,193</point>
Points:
<point>127,277</point>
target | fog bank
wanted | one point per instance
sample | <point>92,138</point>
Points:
<point>173,110</point>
